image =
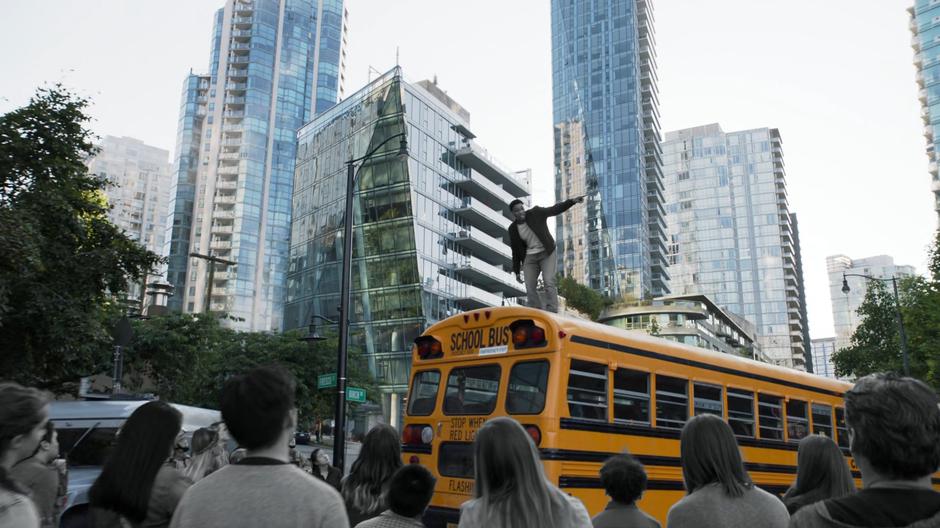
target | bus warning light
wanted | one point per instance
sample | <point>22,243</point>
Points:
<point>534,433</point>
<point>526,335</point>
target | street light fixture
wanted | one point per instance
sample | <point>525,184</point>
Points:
<point>312,335</point>
<point>897,311</point>
<point>339,440</point>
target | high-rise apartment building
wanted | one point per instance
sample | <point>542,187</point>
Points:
<point>731,234</point>
<point>823,349</point>
<point>429,227</point>
<point>274,65</point>
<point>140,177</point>
<point>925,26</point>
<point>607,147</point>
<point>845,306</point>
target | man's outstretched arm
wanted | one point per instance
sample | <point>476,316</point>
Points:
<point>561,207</point>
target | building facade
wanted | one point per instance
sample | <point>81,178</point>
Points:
<point>823,349</point>
<point>607,147</point>
<point>692,320</point>
<point>140,177</point>
<point>274,64</point>
<point>730,231</point>
<point>429,226</point>
<point>845,317</point>
<point>925,26</point>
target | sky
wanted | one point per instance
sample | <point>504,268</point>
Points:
<point>835,77</point>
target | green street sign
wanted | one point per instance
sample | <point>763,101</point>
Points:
<point>355,394</point>
<point>326,381</point>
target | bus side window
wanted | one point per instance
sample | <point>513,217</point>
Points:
<point>424,393</point>
<point>672,402</point>
<point>841,429</point>
<point>587,390</point>
<point>528,381</point>
<point>707,399</point>
<point>822,419</point>
<point>797,422</point>
<point>631,396</point>
<point>771,422</point>
<point>741,412</point>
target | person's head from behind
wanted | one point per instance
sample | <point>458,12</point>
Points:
<point>710,454</point>
<point>894,426</point>
<point>379,458</point>
<point>24,413</point>
<point>822,471</point>
<point>624,478</point>
<point>144,444</point>
<point>410,490</point>
<point>204,439</point>
<point>517,208</point>
<point>258,407</point>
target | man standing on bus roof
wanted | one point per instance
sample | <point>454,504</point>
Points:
<point>533,249</point>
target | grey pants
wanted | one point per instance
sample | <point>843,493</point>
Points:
<point>545,264</point>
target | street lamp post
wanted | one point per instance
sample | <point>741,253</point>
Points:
<point>339,440</point>
<point>897,312</point>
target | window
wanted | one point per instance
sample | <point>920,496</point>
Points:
<point>472,390</point>
<point>707,399</point>
<point>797,422</point>
<point>631,396</point>
<point>741,412</point>
<point>424,393</point>
<point>822,419</point>
<point>587,390</point>
<point>527,384</point>
<point>771,424</point>
<point>94,447</point>
<point>672,402</point>
<point>456,460</point>
<point>841,429</point>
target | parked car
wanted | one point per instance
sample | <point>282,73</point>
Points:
<point>87,432</point>
<point>302,438</point>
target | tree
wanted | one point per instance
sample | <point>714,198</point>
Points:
<point>62,262</point>
<point>875,345</point>
<point>582,298</point>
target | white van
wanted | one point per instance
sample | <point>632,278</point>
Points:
<point>87,431</point>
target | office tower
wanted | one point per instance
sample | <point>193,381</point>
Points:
<point>607,147</point>
<point>823,349</point>
<point>845,317</point>
<point>429,226</point>
<point>801,288</point>
<point>925,26</point>
<point>731,235</point>
<point>274,64</point>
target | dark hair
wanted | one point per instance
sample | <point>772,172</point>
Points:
<point>710,454</point>
<point>21,410</point>
<point>896,425</point>
<point>623,478</point>
<point>821,472</point>
<point>410,490</point>
<point>143,446</point>
<point>256,405</point>
<point>514,202</point>
<point>379,458</point>
<point>203,439</point>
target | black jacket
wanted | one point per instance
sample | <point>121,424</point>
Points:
<point>537,220</point>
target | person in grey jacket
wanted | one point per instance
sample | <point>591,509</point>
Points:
<point>720,492</point>
<point>533,250</point>
<point>894,432</point>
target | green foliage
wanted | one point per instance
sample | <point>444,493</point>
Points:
<point>582,298</point>
<point>188,358</point>
<point>875,345</point>
<point>61,261</point>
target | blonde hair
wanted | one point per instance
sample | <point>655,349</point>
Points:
<point>510,482</point>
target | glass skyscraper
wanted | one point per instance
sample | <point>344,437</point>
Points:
<point>731,234</point>
<point>607,146</point>
<point>274,64</point>
<point>822,356</point>
<point>925,26</point>
<point>429,228</point>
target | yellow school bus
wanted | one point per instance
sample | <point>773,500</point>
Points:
<point>585,391</point>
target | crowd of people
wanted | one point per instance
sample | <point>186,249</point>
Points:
<point>893,426</point>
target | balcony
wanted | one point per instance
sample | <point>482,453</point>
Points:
<point>223,229</point>
<point>484,190</point>
<point>482,217</point>
<point>224,199</point>
<point>223,213</point>
<point>226,185</point>
<point>475,298</point>
<point>484,246</point>
<point>241,33</point>
<point>234,73</point>
<point>233,100</point>
<point>239,59</point>
<point>231,156</point>
<point>221,244</point>
<point>236,87</point>
<point>233,114</point>
<point>484,275</point>
<point>242,21</point>
<point>478,159</point>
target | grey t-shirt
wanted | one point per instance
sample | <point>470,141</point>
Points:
<point>710,507</point>
<point>260,492</point>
